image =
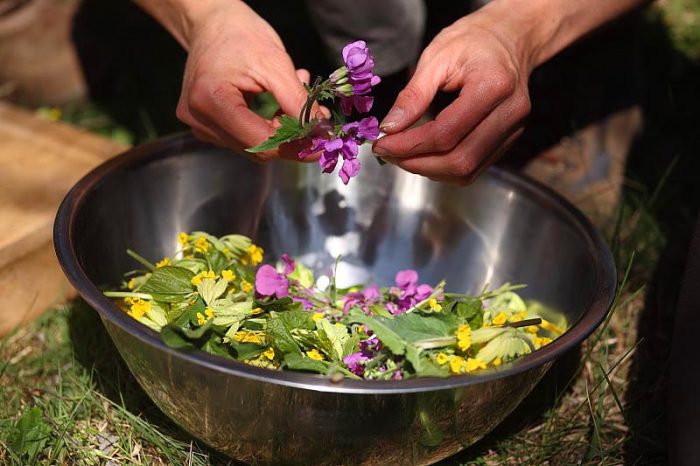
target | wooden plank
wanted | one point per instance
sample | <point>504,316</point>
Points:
<point>39,162</point>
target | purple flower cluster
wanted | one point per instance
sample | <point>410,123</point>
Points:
<point>343,146</point>
<point>362,299</point>
<point>368,350</point>
<point>407,292</point>
<point>355,80</point>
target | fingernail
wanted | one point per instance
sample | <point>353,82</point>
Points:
<point>379,151</point>
<point>392,118</point>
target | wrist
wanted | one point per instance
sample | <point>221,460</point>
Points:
<point>183,17</point>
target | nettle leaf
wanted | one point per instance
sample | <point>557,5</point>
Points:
<point>184,338</point>
<point>169,284</point>
<point>290,129</point>
<point>282,337</point>
<point>297,319</point>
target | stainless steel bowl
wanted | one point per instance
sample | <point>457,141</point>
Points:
<point>502,228</point>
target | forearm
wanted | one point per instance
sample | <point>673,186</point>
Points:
<point>179,17</point>
<point>542,28</point>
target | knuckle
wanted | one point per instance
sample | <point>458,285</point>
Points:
<point>444,137</point>
<point>460,166</point>
<point>522,106</point>
<point>412,93</point>
<point>501,83</point>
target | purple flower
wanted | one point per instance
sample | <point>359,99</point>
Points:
<point>397,375</point>
<point>407,292</point>
<point>305,302</point>
<point>359,64</point>
<point>289,264</point>
<point>356,362</point>
<point>362,299</point>
<point>268,282</point>
<point>350,168</point>
<point>366,128</point>
<point>370,346</point>
<point>362,103</point>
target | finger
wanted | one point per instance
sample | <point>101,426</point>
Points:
<point>479,148</point>
<point>413,101</point>
<point>303,75</point>
<point>287,88</point>
<point>450,127</point>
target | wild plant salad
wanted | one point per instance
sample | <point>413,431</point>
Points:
<point>213,295</point>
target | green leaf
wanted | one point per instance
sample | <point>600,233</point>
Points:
<point>169,284</point>
<point>299,362</point>
<point>183,338</point>
<point>290,129</point>
<point>303,275</point>
<point>335,338</point>
<point>210,289</point>
<point>389,337</point>
<point>423,365</point>
<point>297,319</point>
<point>506,346</point>
<point>246,350</point>
<point>29,435</point>
<point>279,305</point>
<point>281,337</point>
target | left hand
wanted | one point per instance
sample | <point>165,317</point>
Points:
<point>489,66</point>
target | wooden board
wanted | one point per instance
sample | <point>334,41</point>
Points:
<point>39,162</point>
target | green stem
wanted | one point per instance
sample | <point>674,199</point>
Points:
<point>127,294</point>
<point>134,255</point>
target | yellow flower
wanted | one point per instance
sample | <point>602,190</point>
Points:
<point>464,337</point>
<point>474,364</point>
<point>314,354</point>
<point>197,280</point>
<point>246,287</point>
<point>497,362</point>
<point>441,358</point>
<point>201,245</point>
<point>183,239</point>
<point>339,325</point>
<point>209,274</point>
<point>201,320</point>
<point>456,364</point>
<point>256,311</point>
<point>209,312</point>
<point>132,284</point>
<point>542,341</point>
<point>139,308</point>
<point>434,305</point>
<point>532,329</point>
<point>518,317</point>
<point>255,255</point>
<point>317,316</point>
<point>164,263</point>
<point>269,353</point>
<point>245,336</point>
<point>551,327</point>
<point>228,275</point>
<point>500,319</point>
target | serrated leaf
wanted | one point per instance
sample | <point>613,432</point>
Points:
<point>388,337</point>
<point>290,129</point>
<point>169,284</point>
<point>282,337</point>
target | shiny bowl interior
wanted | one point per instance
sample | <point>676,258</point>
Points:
<point>503,228</point>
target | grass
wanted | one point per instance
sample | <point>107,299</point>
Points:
<point>66,397</point>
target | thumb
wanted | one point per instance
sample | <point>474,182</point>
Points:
<point>411,103</point>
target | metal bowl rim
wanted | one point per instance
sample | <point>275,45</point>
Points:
<point>604,291</point>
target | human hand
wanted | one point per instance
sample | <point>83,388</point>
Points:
<point>234,53</point>
<point>489,65</point>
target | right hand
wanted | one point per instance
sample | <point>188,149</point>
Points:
<point>234,53</point>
